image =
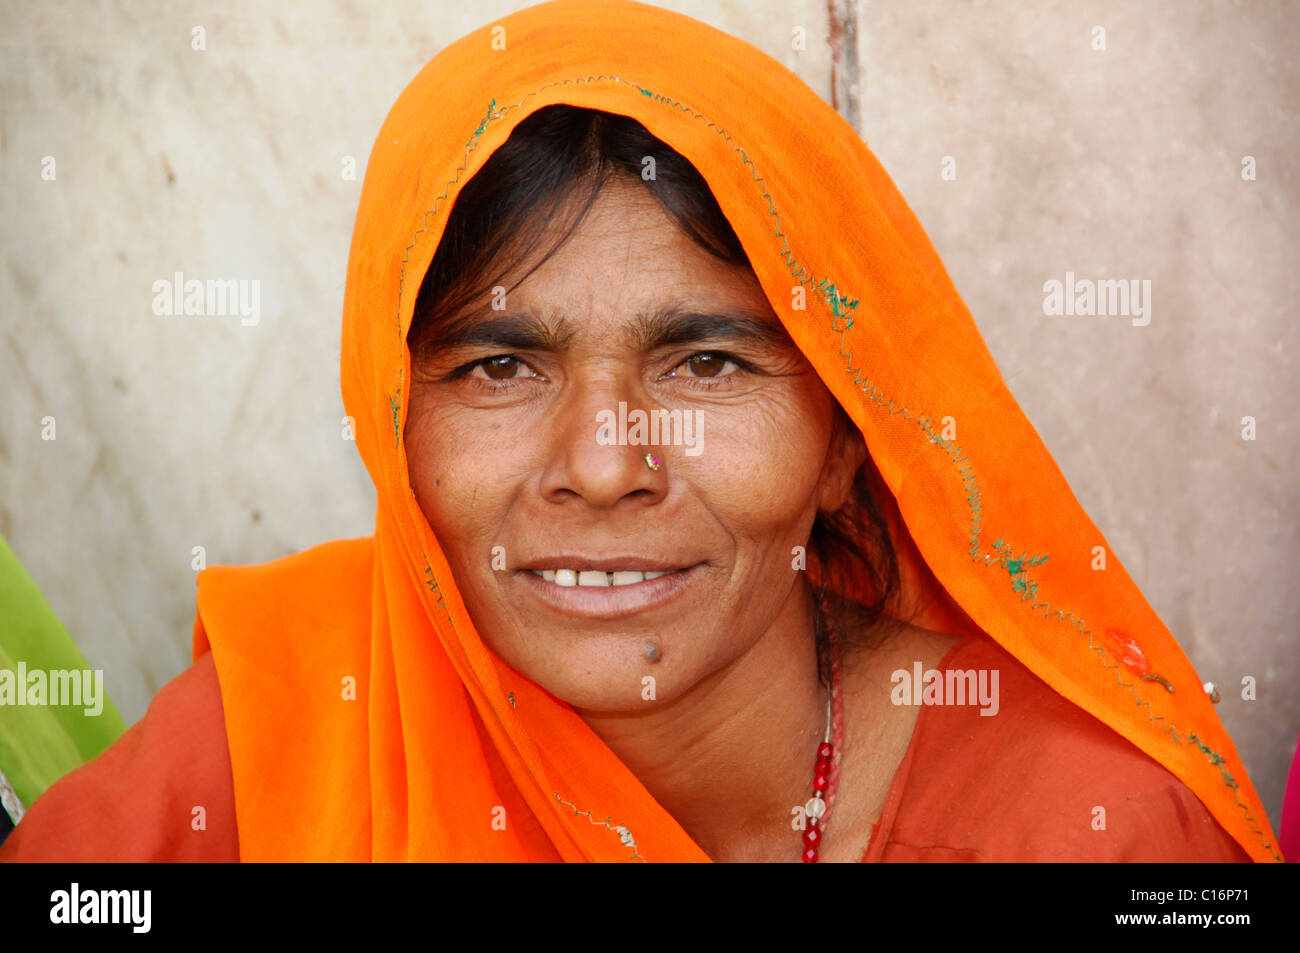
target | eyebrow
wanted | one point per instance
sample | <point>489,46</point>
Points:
<point>662,327</point>
<point>666,327</point>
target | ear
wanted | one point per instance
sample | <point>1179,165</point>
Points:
<point>844,457</point>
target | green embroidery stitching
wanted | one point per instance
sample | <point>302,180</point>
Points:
<point>432,582</point>
<point>840,308</point>
<point>838,304</point>
<point>483,125</point>
<point>623,833</point>
<point>1016,568</point>
<point>511,698</point>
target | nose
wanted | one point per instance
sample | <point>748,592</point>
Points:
<point>605,471</point>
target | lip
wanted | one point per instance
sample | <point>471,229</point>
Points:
<point>611,602</point>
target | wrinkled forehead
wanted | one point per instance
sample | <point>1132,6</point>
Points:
<point>615,268</point>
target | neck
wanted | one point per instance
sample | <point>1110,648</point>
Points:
<point>731,758</point>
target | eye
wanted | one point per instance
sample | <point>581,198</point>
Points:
<point>502,367</point>
<point>706,364</point>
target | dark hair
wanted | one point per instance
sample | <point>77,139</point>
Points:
<point>551,169</point>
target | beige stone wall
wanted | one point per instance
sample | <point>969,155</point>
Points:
<point>1121,163</point>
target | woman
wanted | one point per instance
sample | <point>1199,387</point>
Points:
<point>707,528</point>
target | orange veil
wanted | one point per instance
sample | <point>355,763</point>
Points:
<point>366,718</point>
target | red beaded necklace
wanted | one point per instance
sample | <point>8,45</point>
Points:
<point>826,772</point>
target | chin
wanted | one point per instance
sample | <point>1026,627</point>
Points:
<point>611,673</point>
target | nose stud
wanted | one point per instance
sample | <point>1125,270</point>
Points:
<point>652,461</point>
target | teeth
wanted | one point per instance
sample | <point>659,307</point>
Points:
<point>595,578</point>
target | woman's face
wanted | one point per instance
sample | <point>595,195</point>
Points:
<point>513,440</point>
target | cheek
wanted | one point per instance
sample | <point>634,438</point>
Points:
<point>460,476</point>
<point>762,468</point>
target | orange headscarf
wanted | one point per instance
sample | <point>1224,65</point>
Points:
<point>367,720</point>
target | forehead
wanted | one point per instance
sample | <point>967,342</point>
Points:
<point>630,257</point>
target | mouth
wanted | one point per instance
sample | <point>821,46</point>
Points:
<point>607,589</point>
<point>596,578</point>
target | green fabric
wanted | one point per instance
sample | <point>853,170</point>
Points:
<point>41,743</point>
